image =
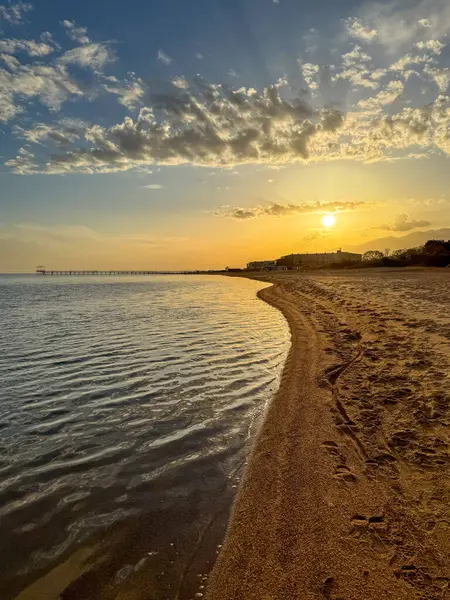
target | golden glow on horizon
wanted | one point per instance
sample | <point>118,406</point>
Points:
<point>328,220</point>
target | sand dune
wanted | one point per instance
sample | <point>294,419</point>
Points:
<point>347,493</point>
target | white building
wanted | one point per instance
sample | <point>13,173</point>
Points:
<point>261,265</point>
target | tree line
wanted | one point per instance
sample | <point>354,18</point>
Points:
<point>434,253</point>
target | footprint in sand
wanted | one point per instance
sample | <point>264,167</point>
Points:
<point>343,473</point>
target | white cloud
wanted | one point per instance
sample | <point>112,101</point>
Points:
<point>355,69</point>
<point>355,57</point>
<point>356,29</point>
<point>14,46</point>
<point>23,162</point>
<point>199,56</point>
<point>75,32</point>
<point>440,76</point>
<point>51,85</point>
<point>408,59</point>
<point>153,186</point>
<point>387,95</point>
<point>11,61</point>
<point>94,56</point>
<point>434,46</point>
<point>180,83</point>
<point>61,133</point>
<point>130,95</point>
<point>14,13</point>
<point>310,74</point>
<point>164,58</point>
<point>401,23</point>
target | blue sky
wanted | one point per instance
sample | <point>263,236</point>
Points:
<point>172,134</point>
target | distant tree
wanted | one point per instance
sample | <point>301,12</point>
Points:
<point>436,246</point>
<point>398,254</point>
<point>437,253</point>
<point>372,255</point>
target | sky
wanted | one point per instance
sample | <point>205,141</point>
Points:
<point>196,135</point>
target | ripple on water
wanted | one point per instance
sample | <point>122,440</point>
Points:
<point>122,394</point>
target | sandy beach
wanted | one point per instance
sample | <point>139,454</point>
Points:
<point>347,491</point>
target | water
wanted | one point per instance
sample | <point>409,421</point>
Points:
<point>127,407</point>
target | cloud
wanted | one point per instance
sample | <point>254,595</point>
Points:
<point>400,23</point>
<point>13,13</point>
<point>51,85</point>
<point>215,125</point>
<point>164,58</point>
<point>54,82</point>
<point>30,47</point>
<point>76,33</point>
<point>434,46</point>
<point>408,59</point>
<point>404,222</point>
<point>281,210</point>
<point>239,213</point>
<point>94,56</point>
<point>390,92</point>
<point>10,61</point>
<point>440,76</point>
<point>310,74</point>
<point>130,95</point>
<point>153,186</point>
<point>23,162</point>
<point>369,106</point>
<point>355,69</point>
<point>62,133</point>
<point>318,234</point>
<point>356,29</point>
<point>218,127</point>
<point>180,83</point>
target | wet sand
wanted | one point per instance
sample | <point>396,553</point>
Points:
<point>347,492</point>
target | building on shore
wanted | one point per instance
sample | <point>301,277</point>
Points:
<point>293,261</point>
<point>265,265</point>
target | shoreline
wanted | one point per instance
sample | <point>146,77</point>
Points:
<point>329,506</point>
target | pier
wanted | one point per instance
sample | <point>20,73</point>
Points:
<point>44,271</point>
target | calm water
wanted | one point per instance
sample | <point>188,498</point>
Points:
<point>126,410</point>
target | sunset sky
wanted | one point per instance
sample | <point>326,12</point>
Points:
<point>171,134</point>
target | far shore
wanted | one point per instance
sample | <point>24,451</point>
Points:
<point>347,491</point>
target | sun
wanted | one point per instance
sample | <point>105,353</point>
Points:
<point>328,220</point>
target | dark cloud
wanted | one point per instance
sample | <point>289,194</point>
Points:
<point>280,210</point>
<point>207,124</point>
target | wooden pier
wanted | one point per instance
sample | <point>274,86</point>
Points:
<point>44,271</point>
